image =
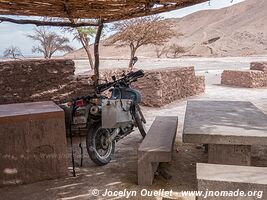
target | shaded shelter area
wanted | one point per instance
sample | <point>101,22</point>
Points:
<point>73,13</point>
<point>118,174</point>
<point>96,12</point>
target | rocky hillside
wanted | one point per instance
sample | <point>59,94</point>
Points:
<point>239,30</point>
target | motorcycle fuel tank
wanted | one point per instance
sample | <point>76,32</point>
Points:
<point>116,113</point>
<point>126,93</point>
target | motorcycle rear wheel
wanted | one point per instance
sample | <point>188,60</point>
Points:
<point>98,147</point>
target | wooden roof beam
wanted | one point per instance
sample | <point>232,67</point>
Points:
<point>48,23</point>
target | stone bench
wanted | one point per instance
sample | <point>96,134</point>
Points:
<point>156,147</point>
<point>33,144</point>
<point>215,177</point>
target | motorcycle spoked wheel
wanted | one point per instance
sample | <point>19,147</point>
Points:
<point>98,147</point>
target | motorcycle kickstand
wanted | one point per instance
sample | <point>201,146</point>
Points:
<point>113,151</point>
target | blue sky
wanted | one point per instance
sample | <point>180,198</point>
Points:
<point>13,34</point>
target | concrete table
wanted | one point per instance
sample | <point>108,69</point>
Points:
<point>33,144</point>
<point>230,128</point>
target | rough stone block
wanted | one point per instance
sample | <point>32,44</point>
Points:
<point>40,80</point>
<point>253,78</point>
<point>261,66</point>
<point>33,143</point>
<point>163,86</point>
<point>54,79</point>
<point>244,78</point>
<point>200,84</point>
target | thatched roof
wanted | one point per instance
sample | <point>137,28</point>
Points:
<point>106,10</point>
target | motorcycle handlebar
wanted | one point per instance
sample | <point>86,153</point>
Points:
<point>137,74</point>
<point>130,77</point>
<point>105,86</point>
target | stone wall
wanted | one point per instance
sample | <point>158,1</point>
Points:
<point>39,80</point>
<point>249,78</point>
<point>200,84</point>
<point>261,66</point>
<point>253,78</point>
<point>162,86</point>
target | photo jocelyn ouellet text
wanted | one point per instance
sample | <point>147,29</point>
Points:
<point>162,192</point>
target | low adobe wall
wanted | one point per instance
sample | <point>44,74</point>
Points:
<point>261,66</point>
<point>249,78</point>
<point>253,78</point>
<point>40,80</point>
<point>163,86</point>
<point>200,84</point>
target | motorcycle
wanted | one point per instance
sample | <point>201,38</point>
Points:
<point>107,119</point>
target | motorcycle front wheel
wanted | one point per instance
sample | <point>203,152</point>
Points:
<point>99,148</point>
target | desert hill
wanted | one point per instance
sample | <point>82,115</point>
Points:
<point>239,30</point>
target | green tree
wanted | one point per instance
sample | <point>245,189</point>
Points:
<point>89,36</point>
<point>84,35</point>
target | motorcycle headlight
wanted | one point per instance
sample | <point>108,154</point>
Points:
<point>95,110</point>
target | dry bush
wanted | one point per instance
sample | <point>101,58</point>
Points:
<point>174,50</point>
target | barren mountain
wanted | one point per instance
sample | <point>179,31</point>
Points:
<point>239,30</point>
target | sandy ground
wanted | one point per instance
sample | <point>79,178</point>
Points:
<point>201,64</point>
<point>121,173</point>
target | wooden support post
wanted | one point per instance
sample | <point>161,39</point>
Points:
<point>96,52</point>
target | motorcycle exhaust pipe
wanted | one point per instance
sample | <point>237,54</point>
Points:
<point>95,110</point>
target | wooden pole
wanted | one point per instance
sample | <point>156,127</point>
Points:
<point>96,52</point>
<point>47,23</point>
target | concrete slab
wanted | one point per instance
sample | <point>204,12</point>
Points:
<point>33,144</point>
<point>160,135</point>
<point>224,122</point>
<point>250,180</point>
<point>22,111</point>
<point>156,147</point>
